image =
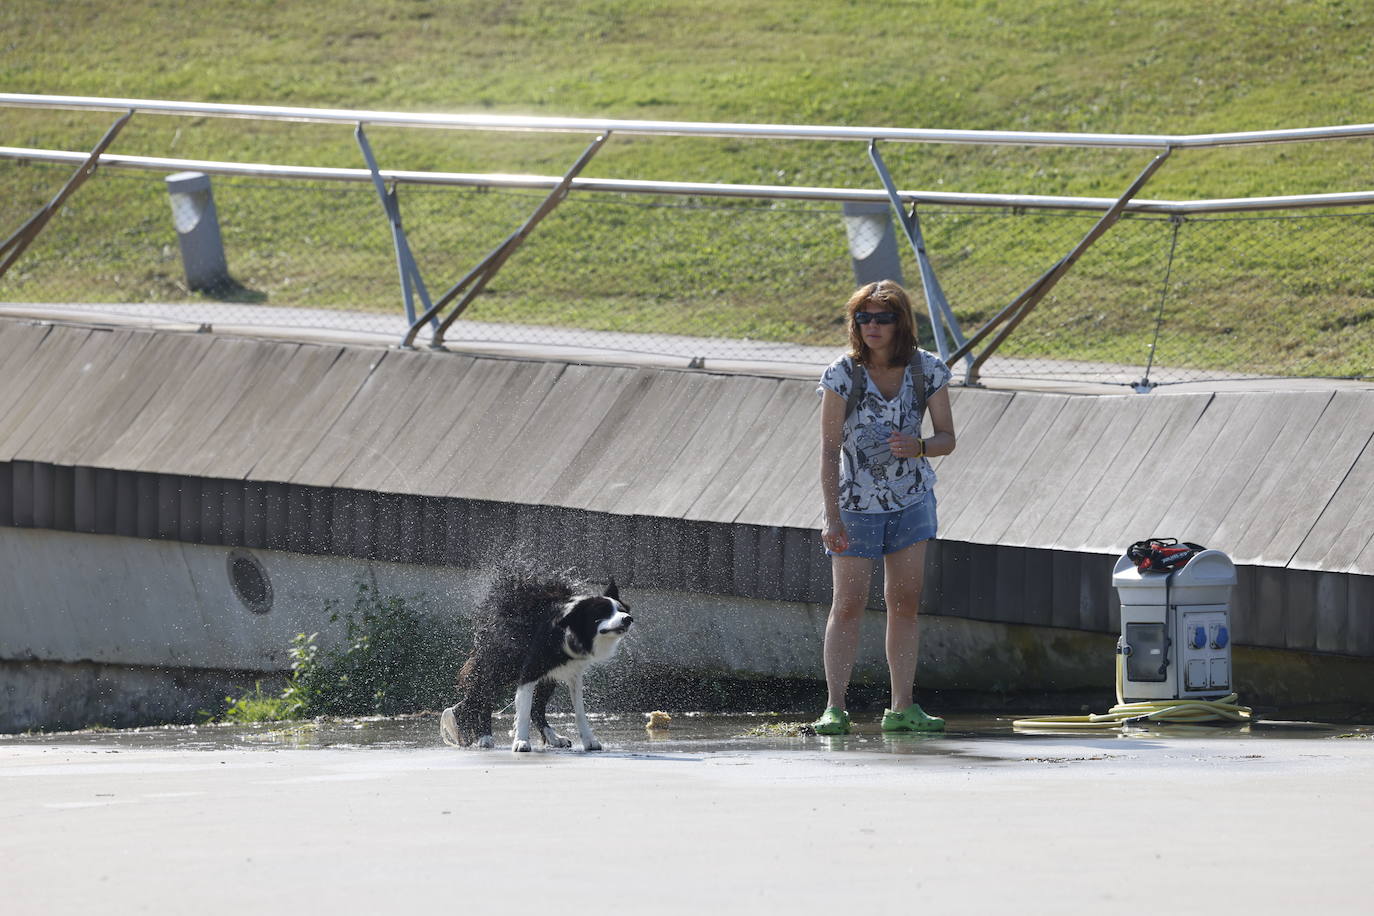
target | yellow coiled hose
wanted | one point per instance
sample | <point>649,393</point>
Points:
<point>1173,712</point>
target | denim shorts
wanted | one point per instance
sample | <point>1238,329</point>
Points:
<point>876,534</point>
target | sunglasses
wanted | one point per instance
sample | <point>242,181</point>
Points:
<point>879,317</point>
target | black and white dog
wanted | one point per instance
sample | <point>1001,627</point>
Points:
<point>533,630</point>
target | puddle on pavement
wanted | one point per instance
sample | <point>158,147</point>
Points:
<point>689,734</point>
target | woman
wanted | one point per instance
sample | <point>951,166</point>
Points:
<point>877,487</point>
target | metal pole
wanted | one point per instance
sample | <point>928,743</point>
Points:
<point>1020,307</point>
<point>1145,385</point>
<point>14,246</point>
<point>405,261</point>
<point>936,304</point>
<point>480,275</point>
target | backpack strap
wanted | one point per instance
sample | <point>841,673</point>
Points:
<point>918,388</point>
<point>859,386</point>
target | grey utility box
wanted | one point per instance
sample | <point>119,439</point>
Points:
<point>1176,628</point>
<point>197,225</point>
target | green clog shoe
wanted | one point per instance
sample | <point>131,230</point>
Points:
<point>911,719</point>
<point>834,721</point>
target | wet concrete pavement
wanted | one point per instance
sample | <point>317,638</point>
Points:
<point>379,816</point>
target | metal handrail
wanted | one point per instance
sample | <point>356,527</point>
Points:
<point>697,189</point>
<point>687,128</point>
<point>471,285</point>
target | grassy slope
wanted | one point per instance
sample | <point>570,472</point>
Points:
<point>1151,65</point>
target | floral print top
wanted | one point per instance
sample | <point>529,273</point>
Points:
<point>871,478</point>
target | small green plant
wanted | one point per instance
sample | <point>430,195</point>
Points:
<point>393,660</point>
<point>259,707</point>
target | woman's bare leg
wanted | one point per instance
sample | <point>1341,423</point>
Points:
<point>904,573</point>
<point>851,577</point>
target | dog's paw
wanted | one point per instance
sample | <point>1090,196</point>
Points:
<point>554,739</point>
<point>486,741</point>
<point>592,745</point>
<point>519,746</point>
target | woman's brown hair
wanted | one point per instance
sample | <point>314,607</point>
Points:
<point>883,296</point>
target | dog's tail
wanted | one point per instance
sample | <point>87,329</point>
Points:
<point>524,591</point>
<point>448,729</point>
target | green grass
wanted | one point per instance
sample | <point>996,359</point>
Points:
<point>743,269</point>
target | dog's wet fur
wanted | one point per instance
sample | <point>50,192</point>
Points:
<point>533,630</point>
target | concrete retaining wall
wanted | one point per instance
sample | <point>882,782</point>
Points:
<point>151,448</point>
<point>1279,479</point>
<point>93,606</point>
<point>60,696</point>
<point>126,631</point>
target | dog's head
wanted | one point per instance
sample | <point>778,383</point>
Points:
<point>594,624</point>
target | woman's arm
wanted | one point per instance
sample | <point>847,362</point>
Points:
<point>832,438</point>
<point>941,420</point>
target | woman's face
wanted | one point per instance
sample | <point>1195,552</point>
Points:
<point>876,336</point>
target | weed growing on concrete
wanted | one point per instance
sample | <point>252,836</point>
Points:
<point>393,660</point>
<point>257,706</point>
<point>780,730</point>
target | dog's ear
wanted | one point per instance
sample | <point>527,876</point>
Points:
<point>611,590</point>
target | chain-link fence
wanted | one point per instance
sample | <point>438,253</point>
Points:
<point>1171,299</point>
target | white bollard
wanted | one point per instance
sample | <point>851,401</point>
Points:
<point>872,242</point>
<point>197,225</point>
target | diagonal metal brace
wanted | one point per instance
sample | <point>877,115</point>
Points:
<point>1022,305</point>
<point>14,246</point>
<point>937,306</point>
<point>479,276</point>
<point>405,260</point>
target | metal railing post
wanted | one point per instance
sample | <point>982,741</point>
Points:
<point>937,306</point>
<point>14,246</point>
<point>480,275</point>
<point>1022,305</point>
<point>1145,385</point>
<point>405,260</point>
